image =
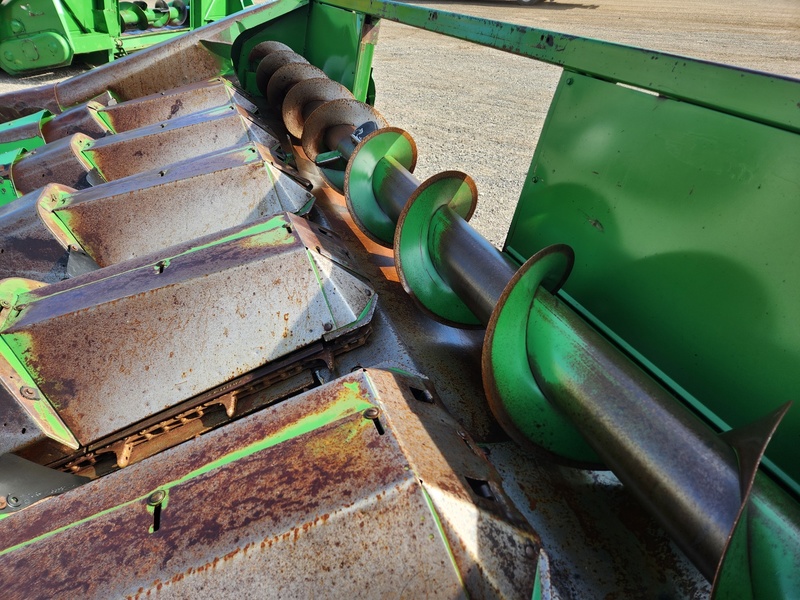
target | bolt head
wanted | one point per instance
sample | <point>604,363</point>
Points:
<point>156,497</point>
<point>29,392</point>
<point>371,413</point>
<point>13,500</point>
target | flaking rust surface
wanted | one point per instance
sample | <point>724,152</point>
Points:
<point>301,517</point>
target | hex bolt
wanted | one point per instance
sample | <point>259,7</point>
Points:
<point>156,497</point>
<point>13,501</point>
<point>371,413</point>
<point>29,392</point>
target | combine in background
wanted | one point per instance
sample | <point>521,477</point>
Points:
<point>43,34</point>
<point>244,351</point>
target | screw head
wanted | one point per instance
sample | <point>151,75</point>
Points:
<point>371,413</point>
<point>13,501</point>
<point>156,497</point>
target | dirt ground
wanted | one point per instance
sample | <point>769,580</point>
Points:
<point>480,110</point>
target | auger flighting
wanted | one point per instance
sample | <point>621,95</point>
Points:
<point>551,380</point>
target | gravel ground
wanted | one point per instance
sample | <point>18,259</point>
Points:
<point>481,110</point>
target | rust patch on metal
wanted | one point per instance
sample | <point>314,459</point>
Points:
<point>27,249</point>
<point>81,119</point>
<point>271,63</point>
<point>286,77</point>
<point>261,49</point>
<point>306,95</point>
<point>148,71</point>
<point>61,161</point>
<point>102,218</point>
<point>175,140</point>
<point>171,104</point>
<point>341,489</point>
<point>31,100</point>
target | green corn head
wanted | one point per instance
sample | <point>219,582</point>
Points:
<point>245,351</point>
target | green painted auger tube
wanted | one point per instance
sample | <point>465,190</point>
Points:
<point>552,381</point>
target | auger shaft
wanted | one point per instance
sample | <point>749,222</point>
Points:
<point>393,186</point>
<point>475,269</point>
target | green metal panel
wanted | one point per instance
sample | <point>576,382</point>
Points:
<point>33,43</point>
<point>29,134</point>
<point>289,29</point>
<point>332,42</point>
<point>684,225</point>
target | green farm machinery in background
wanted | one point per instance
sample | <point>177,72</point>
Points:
<point>42,34</point>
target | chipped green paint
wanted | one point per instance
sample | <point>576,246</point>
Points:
<point>321,287</point>
<point>349,401</point>
<point>28,143</point>
<point>55,220</point>
<point>8,191</point>
<point>41,410</point>
<point>367,308</point>
<point>443,537</point>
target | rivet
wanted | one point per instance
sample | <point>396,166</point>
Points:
<point>371,413</point>
<point>530,551</point>
<point>570,81</point>
<point>327,326</point>
<point>156,497</point>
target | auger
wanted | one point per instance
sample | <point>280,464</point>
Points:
<point>551,380</point>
